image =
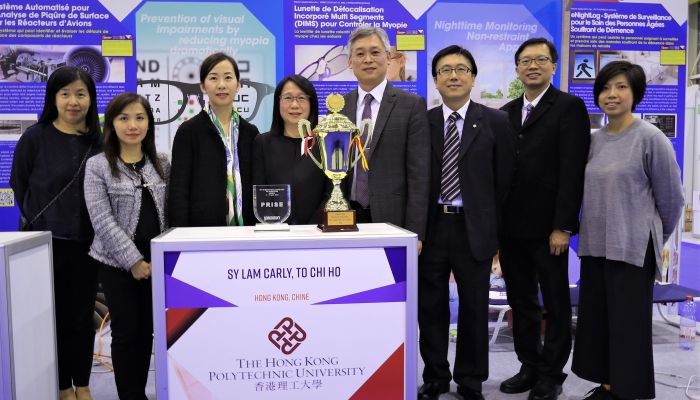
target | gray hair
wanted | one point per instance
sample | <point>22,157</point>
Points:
<point>369,30</point>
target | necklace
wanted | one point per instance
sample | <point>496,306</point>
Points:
<point>136,167</point>
<point>133,165</point>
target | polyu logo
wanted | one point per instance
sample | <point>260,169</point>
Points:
<point>287,335</point>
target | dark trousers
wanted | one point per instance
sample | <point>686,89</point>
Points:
<point>75,288</point>
<point>447,249</point>
<point>131,315</point>
<point>613,334</point>
<point>527,269</point>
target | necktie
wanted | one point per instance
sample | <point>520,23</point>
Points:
<point>361,186</point>
<point>449,186</point>
<point>528,111</point>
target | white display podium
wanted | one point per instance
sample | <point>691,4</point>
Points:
<point>28,369</point>
<point>299,314</point>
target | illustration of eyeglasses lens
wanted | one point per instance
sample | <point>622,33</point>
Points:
<point>178,101</point>
<point>171,101</point>
<point>330,64</point>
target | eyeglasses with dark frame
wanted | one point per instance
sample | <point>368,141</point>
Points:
<point>541,60</point>
<point>186,90</point>
<point>461,70</point>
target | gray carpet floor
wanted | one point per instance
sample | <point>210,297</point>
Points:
<point>673,367</point>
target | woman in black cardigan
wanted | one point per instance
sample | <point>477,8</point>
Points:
<point>210,178</point>
<point>47,175</point>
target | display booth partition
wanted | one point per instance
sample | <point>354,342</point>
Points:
<point>28,369</point>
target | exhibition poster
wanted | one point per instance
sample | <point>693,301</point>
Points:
<point>36,38</point>
<point>651,34</point>
<point>317,35</point>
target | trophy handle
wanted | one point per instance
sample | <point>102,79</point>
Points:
<point>304,128</point>
<point>364,124</point>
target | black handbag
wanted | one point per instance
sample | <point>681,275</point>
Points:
<point>25,224</point>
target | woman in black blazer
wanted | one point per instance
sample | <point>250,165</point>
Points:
<point>278,154</point>
<point>210,179</point>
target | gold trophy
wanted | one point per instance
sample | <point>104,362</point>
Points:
<point>341,148</point>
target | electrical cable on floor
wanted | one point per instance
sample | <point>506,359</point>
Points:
<point>687,386</point>
<point>98,356</point>
<point>668,321</point>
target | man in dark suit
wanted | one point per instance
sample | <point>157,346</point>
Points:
<point>471,166</point>
<point>552,136</point>
<point>395,189</point>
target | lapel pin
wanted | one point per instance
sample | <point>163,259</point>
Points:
<point>474,126</point>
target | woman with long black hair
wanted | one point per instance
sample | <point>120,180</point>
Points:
<point>279,156</point>
<point>125,190</point>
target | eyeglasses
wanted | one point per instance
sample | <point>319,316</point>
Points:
<point>332,63</point>
<point>250,97</point>
<point>542,60</point>
<point>169,99</point>
<point>461,70</point>
<point>374,55</point>
<point>289,99</point>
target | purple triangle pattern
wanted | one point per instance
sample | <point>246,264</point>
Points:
<point>179,294</point>
<point>386,294</point>
<point>396,256</point>
<point>170,260</point>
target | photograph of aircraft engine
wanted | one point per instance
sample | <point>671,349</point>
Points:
<point>36,63</point>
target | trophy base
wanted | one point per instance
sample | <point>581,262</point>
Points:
<point>271,227</point>
<point>338,221</point>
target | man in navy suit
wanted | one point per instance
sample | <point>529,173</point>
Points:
<point>395,189</point>
<point>552,136</point>
<point>471,166</point>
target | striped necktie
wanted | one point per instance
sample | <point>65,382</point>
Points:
<point>449,186</point>
<point>528,111</point>
<point>361,179</point>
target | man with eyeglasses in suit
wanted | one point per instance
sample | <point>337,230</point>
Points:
<point>552,136</point>
<point>471,166</point>
<point>395,188</point>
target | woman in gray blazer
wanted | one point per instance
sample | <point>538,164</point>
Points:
<point>125,191</point>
